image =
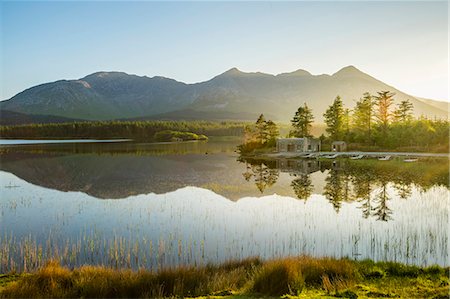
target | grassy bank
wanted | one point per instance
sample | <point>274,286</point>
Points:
<point>297,277</point>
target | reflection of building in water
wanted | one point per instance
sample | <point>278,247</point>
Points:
<point>337,165</point>
<point>298,166</point>
<point>298,145</point>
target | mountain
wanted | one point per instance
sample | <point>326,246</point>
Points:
<point>17,118</point>
<point>101,96</point>
<point>438,104</point>
<point>231,95</point>
<point>191,114</point>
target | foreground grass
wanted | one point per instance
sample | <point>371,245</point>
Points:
<point>301,277</point>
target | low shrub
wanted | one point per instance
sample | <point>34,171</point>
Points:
<point>401,270</point>
<point>291,275</point>
<point>278,278</point>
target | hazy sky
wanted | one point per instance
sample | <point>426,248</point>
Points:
<point>404,44</point>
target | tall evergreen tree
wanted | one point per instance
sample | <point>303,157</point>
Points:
<point>272,132</point>
<point>404,112</point>
<point>384,101</point>
<point>334,119</point>
<point>261,131</point>
<point>301,122</point>
<point>363,118</point>
<point>346,123</point>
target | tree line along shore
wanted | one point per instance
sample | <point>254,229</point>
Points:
<point>137,130</point>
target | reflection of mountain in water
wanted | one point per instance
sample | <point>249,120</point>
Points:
<point>194,225</point>
<point>122,170</point>
<point>125,169</point>
<point>117,174</point>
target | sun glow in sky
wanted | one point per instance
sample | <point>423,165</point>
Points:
<point>404,44</point>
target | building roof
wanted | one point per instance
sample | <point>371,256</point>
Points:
<point>290,139</point>
<point>338,142</point>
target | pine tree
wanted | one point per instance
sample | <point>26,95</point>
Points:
<point>404,112</point>
<point>261,132</point>
<point>301,122</point>
<point>272,133</point>
<point>363,118</point>
<point>334,119</point>
<point>384,101</point>
<point>346,123</point>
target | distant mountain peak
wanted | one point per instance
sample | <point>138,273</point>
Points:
<point>105,75</point>
<point>233,71</point>
<point>348,71</point>
<point>112,73</point>
<point>102,74</point>
<point>297,73</point>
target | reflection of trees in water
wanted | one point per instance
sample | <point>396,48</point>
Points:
<point>382,211</point>
<point>337,184</point>
<point>263,174</point>
<point>248,172</point>
<point>366,181</point>
<point>302,186</point>
<point>365,187</point>
<point>333,189</point>
<point>404,189</point>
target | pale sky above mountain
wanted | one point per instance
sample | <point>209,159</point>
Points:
<point>404,44</point>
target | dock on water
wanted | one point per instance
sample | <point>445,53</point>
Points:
<point>333,155</point>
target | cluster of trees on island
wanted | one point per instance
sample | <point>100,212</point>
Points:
<point>374,123</point>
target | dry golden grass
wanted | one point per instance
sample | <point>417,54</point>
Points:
<point>295,276</point>
<point>54,281</point>
<point>291,275</point>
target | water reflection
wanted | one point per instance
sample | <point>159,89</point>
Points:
<point>193,226</point>
<point>122,170</point>
<point>261,173</point>
<point>365,181</point>
<point>302,186</point>
<point>194,203</point>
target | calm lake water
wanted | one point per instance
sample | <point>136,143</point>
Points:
<point>159,205</point>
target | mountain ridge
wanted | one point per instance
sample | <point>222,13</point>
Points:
<point>108,95</point>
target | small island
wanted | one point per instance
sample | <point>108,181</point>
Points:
<point>174,136</point>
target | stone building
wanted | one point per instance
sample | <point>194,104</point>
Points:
<point>339,146</point>
<point>298,145</point>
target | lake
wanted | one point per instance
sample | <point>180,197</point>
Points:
<point>143,205</point>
